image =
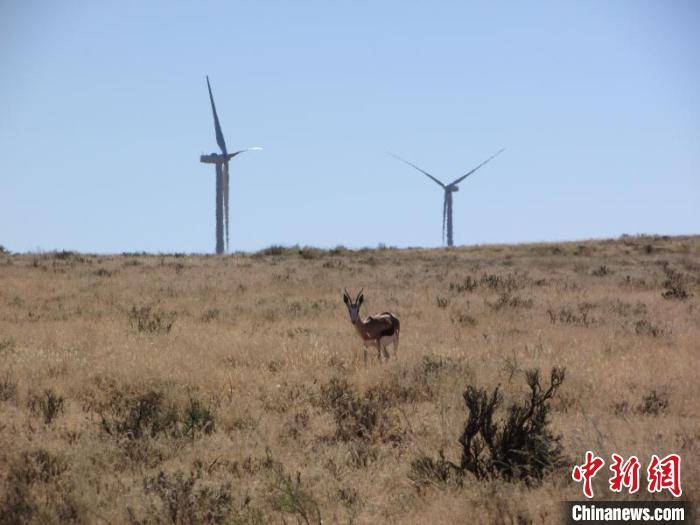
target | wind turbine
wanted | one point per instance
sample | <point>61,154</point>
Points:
<point>222,179</point>
<point>449,190</point>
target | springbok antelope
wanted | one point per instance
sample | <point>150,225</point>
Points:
<point>379,330</point>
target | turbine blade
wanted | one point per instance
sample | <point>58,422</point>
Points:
<point>219,135</point>
<point>457,181</point>
<point>231,155</point>
<point>416,167</point>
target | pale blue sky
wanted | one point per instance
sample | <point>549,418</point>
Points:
<point>104,113</point>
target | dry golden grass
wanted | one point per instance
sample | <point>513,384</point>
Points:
<point>212,408</point>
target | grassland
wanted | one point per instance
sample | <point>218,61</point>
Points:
<point>166,388</point>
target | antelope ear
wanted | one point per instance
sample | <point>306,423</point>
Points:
<point>346,299</point>
<point>360,300</point>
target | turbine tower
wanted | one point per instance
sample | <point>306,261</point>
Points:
<point>449,189</point>
<point>222,179</point>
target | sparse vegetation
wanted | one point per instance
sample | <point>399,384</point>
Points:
<point>653,403</point>
<point>675,284</point>
<point>145,319</point>
<point>48,405</point>
<point>164,388</point>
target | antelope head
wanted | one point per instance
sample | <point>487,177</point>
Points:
<point>353,307</point>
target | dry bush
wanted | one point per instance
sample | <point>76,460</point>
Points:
<point>519,446</point>
<point>37,492</point>
<point>145,319</point>
<point>644,327</point>
<point>468,284</point>
<point>184,499</point>
<point>653,403</point>
<point>676,285</point>
<point>569,315</point>
<point>7,345</point>
<point>149,414</point>
<point>601,271</point>
<point>8,387</point>
<point>426,471</point>
<point>47,404</point>
<point>356,416</point>
<point>506,300</point>
<point>287,495</point>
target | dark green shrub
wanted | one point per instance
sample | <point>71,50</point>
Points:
<point>519,446</point>
<point>198,418</point>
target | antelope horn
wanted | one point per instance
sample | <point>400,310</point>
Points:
<point>359,294</point>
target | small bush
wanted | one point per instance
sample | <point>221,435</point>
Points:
<point>8,387</point>
<point>68,255</point>
<point>288,496</point>
<point>467,285</point>
<point>309,254</point>
<point>442,302</point>
<point>644,327</point>
<point>566,315</point>
<point>464,319</point>
<point>145,319</point>
<point>621,408</point>
<point>34,490</point>
<point>7,345</point>
<point>137,416</point>
<point>502,283</point>
<point>601,271</point>
<point>38,466</point>
<point>274,250</point>
<point>506,300</point>
<point>211,315</point>
<point>185,499</point>
<point>48,405</point>
<point>356,417</point>
<point>361,454</point>
<point>653,404</point>
<point>198,418</point>
<point>518,447</point>
<point>150,414</point>
<point>426,471</point>
<point>675,284</point>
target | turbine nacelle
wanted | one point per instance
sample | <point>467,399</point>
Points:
<point>212,158</point>
<point>451,188</point>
